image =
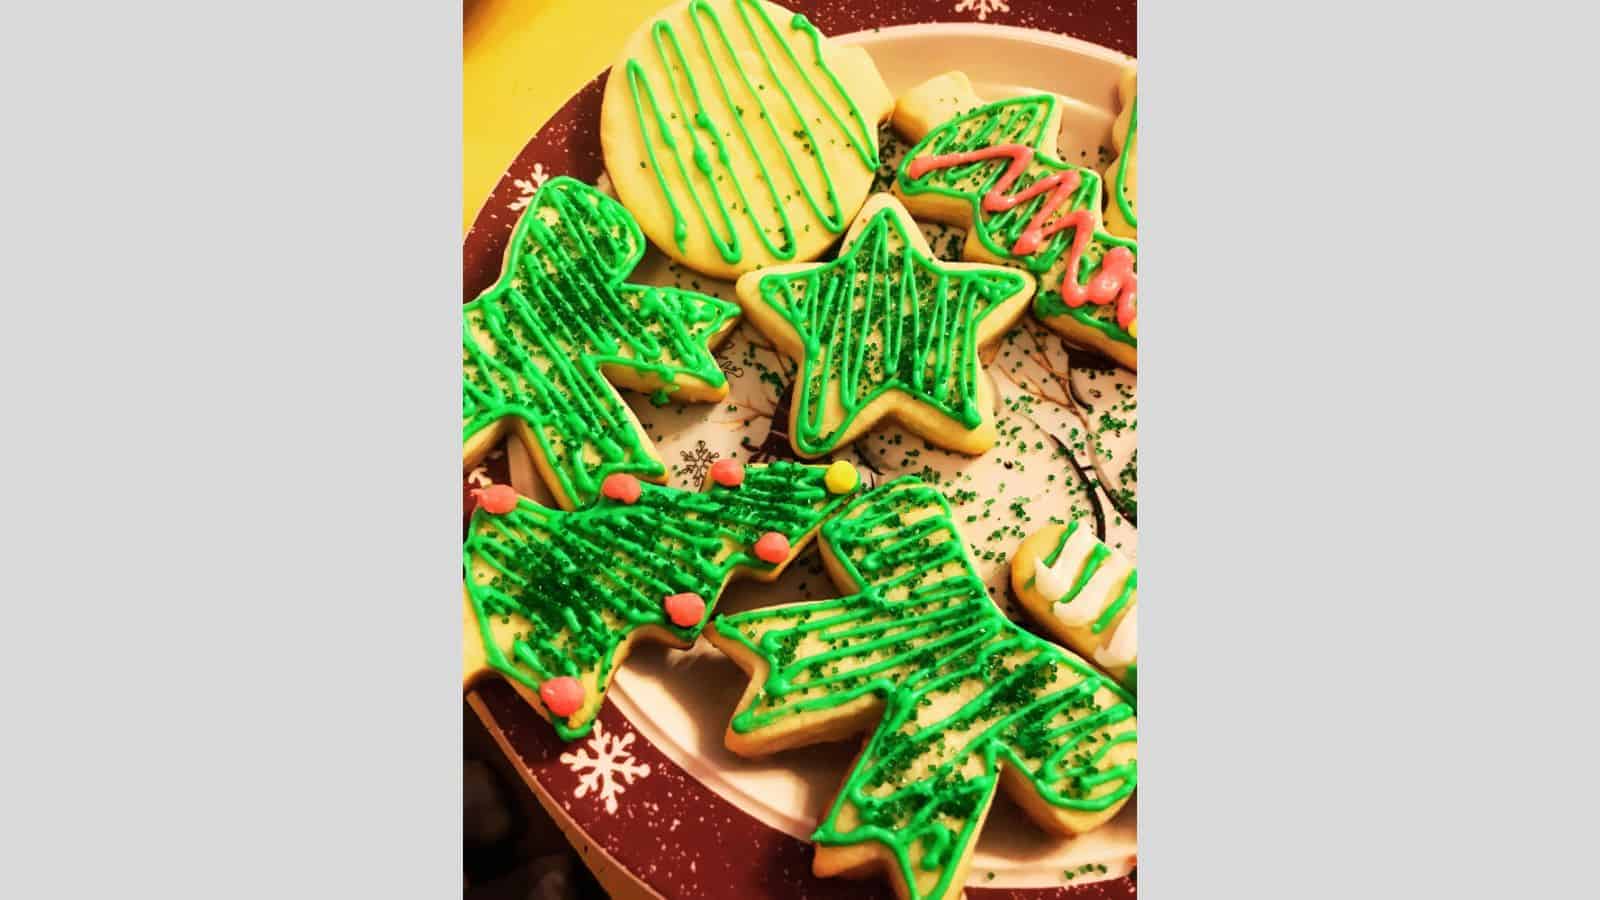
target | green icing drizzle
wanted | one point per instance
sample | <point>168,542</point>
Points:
<point>1055,552</point>
<point>1110,612</point>
<point>579,583</point>
<point>1121,192</point>
<point>883,317</point>
<point>534,344</point>
<point>1023,121</point>
<point>921,634</point>
<point>704,126</point>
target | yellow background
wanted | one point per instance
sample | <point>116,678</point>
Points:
<point>522,59</point>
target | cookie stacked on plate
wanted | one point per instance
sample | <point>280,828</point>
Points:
<point>744,145</point>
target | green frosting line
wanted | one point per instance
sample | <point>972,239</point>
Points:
<point>885,317</point>
<point>534,345</point>
<point>1055,552</point>
<point>1020,120</point>
<point>965,690</point>
<point>1097,556</point>
<point>695,117</point>
<point>1121,192</point>
<point>580,583</point>
<point>1116,606</point>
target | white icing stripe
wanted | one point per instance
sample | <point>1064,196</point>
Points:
<point>1124,646</point>
<point>1053,582</point>
<point>1102,588</point>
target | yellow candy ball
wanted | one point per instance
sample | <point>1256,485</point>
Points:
<point>841,477</point>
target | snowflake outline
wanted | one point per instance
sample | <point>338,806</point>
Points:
<point>696,462</point>
<point>611,759</point>
<point>983,7</point>
<point>528,187</point>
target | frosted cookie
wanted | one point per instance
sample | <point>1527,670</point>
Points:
<point>992,168</point>
<point>739,135</point>
<point>887,330</point>
<point>542,348</point>
<point>959,700</point>
<point>554,600</point>
<point>1083,593</point>
<point>1122,174</point>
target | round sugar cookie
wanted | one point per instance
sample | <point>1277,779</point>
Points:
<point>739,137</point>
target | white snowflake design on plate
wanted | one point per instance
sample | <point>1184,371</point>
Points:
<point>983,7</point>
<point>611,761</point>
<point>528,186</point>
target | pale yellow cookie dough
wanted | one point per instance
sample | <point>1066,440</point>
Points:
<point>738,136</point>
<point>1072,623</point>
<point>887,329</point>
<point>937,670</point>
<point>1125,134</point>
<point>930,105</point>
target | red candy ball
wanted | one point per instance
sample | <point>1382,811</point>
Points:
<point>685,610</point>
<point>498,499</point>
<point>621,486</point>
<point>772,548</point>
<point>562,696</point>
<point>727,472</point>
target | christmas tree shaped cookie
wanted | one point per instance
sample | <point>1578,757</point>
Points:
<point>887,329</point>
<point>1122,176</point>
<point>543,347</point>
<point>959,700</point>
<point>1083,593</point>
<point>554,599</point>
<point>992,168</point>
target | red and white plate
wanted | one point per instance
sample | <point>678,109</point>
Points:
<point>652,800</point>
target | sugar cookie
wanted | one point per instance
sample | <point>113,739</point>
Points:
<point>1122,191</point>
<point>740,136</point>
<point>887,329</point>
<point>992,168</point>
<point>542,348</point>
<point>553,600</point>
<point>960,700</point>
<point>1083,593</point>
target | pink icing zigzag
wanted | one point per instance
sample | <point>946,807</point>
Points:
<point>1116,280</point>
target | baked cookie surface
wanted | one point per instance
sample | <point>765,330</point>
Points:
<point>739,135</point>
<point>542,348</point>
<point>887,330</point>
<point>992,168</point>
<point>961,701</point>
<point>1122,175</point>
<point>1083,593</point>
<point>554,599</point>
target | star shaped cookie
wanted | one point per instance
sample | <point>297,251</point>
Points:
<point>887,330</point>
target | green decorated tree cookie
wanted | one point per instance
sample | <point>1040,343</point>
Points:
<point>554,598</point>
<point>543,347</point>
<point>960,699</point>
<point>993,168</point>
